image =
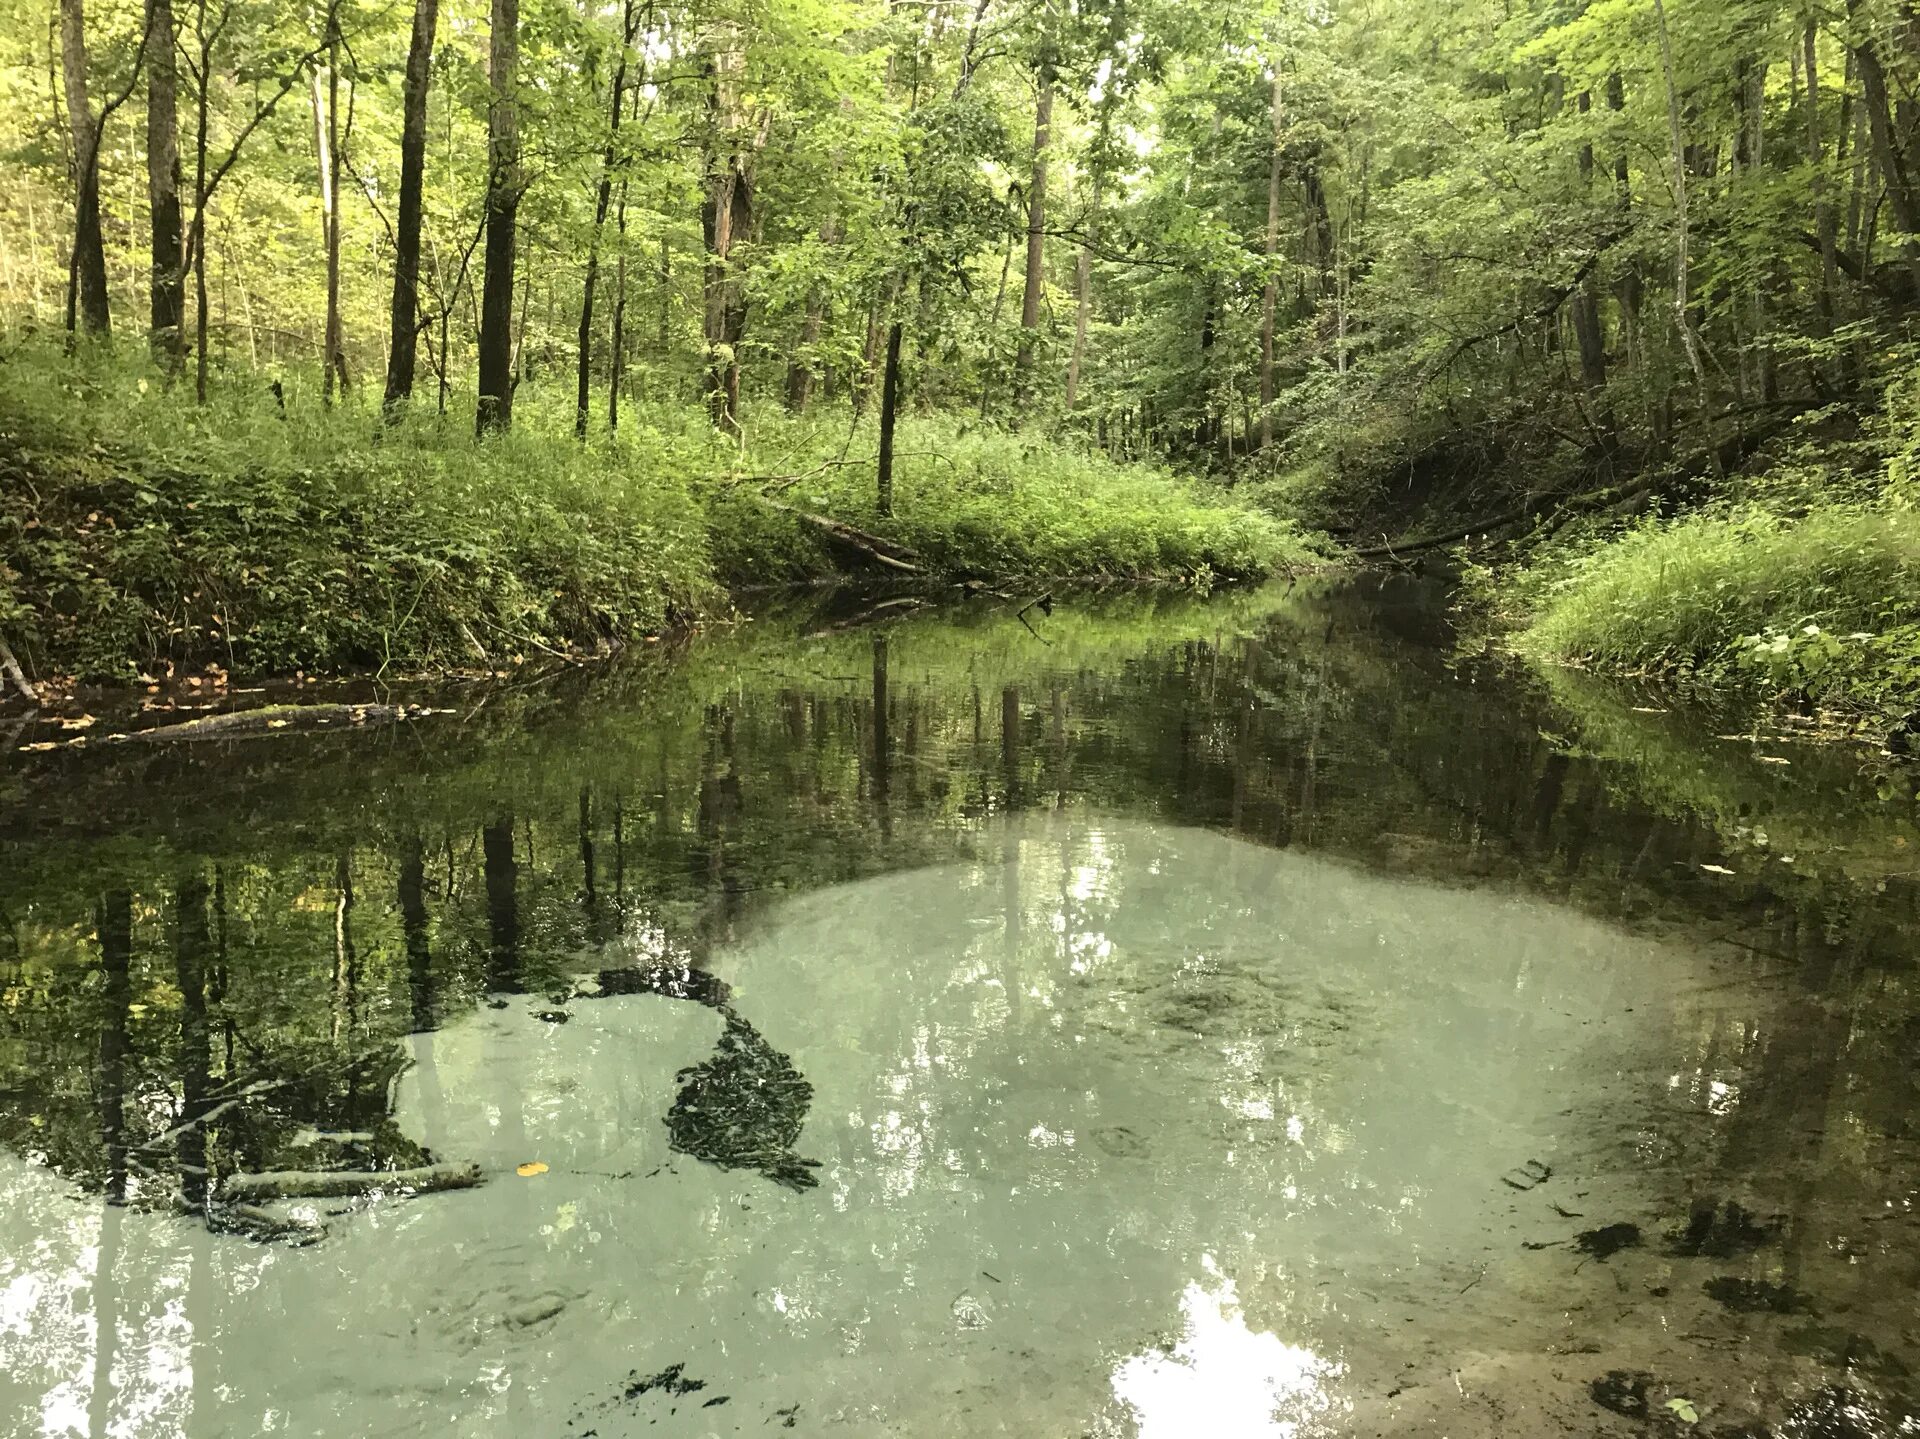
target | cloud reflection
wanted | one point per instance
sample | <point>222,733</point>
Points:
<point>1225,1378</point>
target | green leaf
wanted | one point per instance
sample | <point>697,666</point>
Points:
<point>1683,1408</point>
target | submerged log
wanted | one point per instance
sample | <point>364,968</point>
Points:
<point>272,720</point>
<point>344,1183</point>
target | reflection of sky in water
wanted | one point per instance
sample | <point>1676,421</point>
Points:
<point>1226,1379</point>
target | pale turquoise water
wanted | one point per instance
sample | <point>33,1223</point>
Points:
<point>1215,1021</point>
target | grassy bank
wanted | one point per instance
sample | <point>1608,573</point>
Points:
<point>1820,607</point>
<point>1796,586</point>
<point>269,534</point>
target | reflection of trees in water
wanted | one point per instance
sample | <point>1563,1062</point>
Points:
<point>208,994</point>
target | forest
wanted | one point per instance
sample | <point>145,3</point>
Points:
<point>360,333</point>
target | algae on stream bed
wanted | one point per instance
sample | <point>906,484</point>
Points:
<point>1224,1020</point>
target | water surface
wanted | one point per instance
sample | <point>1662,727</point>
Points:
<point>1234,1018</point>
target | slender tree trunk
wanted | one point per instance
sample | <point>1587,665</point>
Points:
<point>403,333</point>
<point>326,144</point>
<point>1824,221</point>
<point>726,216</point>
<point>993,327</point>
<point>197,238</point>
<point>1036,235</point>
<point>1589,333</point>
<point>495,409</point>
<point>1682,263</point>
<point>617,341</point>
<point>87,278</point>
<point>800,372</point>
<point>168,283</point>
<point>889,411</point>
<point>1270,294</point>
<point>603,201</point>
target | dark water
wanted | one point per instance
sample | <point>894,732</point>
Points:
<point>1234,1018</point>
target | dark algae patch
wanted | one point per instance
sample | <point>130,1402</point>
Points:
<point>1756,1296</point>
<point>1608,1240</point>
<point>1622,1391</point>
<point>1717,1230</point>
<point>743,1109</point>
<point>671,1380</point>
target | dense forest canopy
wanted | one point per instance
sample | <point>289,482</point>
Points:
<point>1337,237</point>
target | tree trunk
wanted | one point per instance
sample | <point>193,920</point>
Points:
<point>1886,145</point>
<point>1588,331</point>
<point>197,237</point>
<point>326,144</point>
<point>603,201</point>
<point>726,216</point>
<point>87,275</point>
<point>1824,221</point>
<point>889,411</point>
<point>495,408</point>
<point>617,341</point>
<point>1629,287</point>
<point>1270,294</point>
<point>1681,262</point>
<point>800,371</point>
<point>168,282</point>
<point>404,328</point>
<point>1036,234</point>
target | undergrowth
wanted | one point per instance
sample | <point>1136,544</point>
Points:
<point>267,534</point>
<point>1802,584</point>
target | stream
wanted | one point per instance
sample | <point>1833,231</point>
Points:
<point>1164,1016</point>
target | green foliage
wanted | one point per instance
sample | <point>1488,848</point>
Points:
<point>1826,604</point>
<point>318,540</point>
<point>975,500</point>
<point>321,538</point>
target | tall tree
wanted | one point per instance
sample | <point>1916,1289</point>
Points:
<point>87,273</point>
<point>168,282</point>
<point>495,408</point>
<point>403,336</point>
<point>603,200</point>
<point>1270,294</point>
<point>326,144</point>
<point>1034,293</point>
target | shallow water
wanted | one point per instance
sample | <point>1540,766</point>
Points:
<point>1228,1019</point>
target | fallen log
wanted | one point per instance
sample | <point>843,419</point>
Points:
<point>271,720</point>
<point>1563,509</point>
<point>880,550</point>
<point>264,1188</point>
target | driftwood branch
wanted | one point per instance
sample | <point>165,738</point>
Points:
<point>344,1183</point>
<point>10,667</point>
<point>880,550</point>
<point>1564,508</point>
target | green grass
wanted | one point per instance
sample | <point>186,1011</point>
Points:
<point>978,500</point>
<point>1824,605</point>
<point>137,529</point>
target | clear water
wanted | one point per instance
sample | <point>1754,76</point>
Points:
<point>1188,1019</point>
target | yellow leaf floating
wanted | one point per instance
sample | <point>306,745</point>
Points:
<point>528,1170</point>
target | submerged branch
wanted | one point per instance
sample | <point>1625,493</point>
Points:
<point>345,1183</point>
